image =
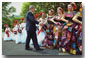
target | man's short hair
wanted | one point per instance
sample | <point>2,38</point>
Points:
<point>31,6</point>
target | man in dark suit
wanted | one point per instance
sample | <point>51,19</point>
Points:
<point>31,29</point>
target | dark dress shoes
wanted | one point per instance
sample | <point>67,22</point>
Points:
<point>39,49</point>
<point>29,49</point>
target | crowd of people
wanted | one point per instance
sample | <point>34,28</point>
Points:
<point>62,31</point>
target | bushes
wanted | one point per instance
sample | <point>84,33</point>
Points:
<point>3,30</point>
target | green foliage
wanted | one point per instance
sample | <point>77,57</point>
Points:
<point>44,6</point>
<point>3,30</point>
<point>6,11</point>
<point>12,19</point>
<point>11,9</point>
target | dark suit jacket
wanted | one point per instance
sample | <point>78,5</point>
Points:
<point>30,22</point>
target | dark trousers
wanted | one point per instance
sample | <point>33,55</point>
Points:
<point>31,35</point>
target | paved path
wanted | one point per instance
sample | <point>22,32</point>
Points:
<point>10,48</point>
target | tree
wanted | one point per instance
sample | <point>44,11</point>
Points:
<point>6,11</point>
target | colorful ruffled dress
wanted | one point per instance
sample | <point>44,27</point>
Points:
<point>79,35</point>
<point>49,37</point>
<point>58,29</point>
<point>70,42</point>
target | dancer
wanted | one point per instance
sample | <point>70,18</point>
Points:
<point>49,37</point>
<point>16,32</point>
<point>24,34</point>
<point>58,28</point>
<point>13,33</point>
<point>78,20</point>
<point>7,36</point>
<point>42,27</point>
<point>70,41</point>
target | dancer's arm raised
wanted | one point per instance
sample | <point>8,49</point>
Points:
<point>75,19</point>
